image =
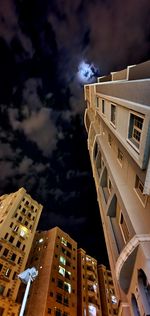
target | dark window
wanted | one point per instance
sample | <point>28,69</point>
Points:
<point>2,288</point>
<point>23,248</point>
<point>13,257</point>
<point>27,203</point>
<point>68,254</point>
<point>11,239</point>
<point>60,284</point>
<point>26,223</point>
<point>51,294</point>
<point>29,215</point>
<point>16,214</point>
<point>8,292</point>
<point>68,263</point>
<point>69,245</point>
<point>53,280</point>
<point>49,311</point>
<point>1,266</point>
<point>66,301</point>
<point>6,235</point>
<point>24,210</point>
<point>14,275</point>
<point>113,114</point>
<point>11,225</point>
<point>63,250</point>
<point>1,247</point>
<point>58,312</point>
<point>59,298</point>
<point>5,253</point>
<point>1,311</point>
<point>20,219</point>
<point>67,275</point>
<point>32,207</point>
<point>18,244</point>
<point>103,106</point>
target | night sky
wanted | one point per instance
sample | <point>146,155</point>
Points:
<point>43,142</point>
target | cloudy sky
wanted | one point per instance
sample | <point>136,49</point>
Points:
<point>42,136</point>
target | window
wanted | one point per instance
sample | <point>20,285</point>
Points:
<point>120,156</point>
<point>113,114</point>
<point>69,245</point>
<point>61,270</point>
<point>13,257</point>
<point>124,228</point>
<point>5,253</point>
<point>58,312</point>
<point>66,301</point>
<point>103,106</point>
<point>59,298</point>
<point>1,266</point>
<point>11,239</point>
<point>14,275</point>
<point>97,101</point>
<point>64,241</point>
<point>16,228</point>
<point>68,254</point>
<point>11,225</point>
<point>60,284</point>
<point>23,248</point>
<point>62,260</point>
<point>7,273</point>
<point>135,129</point>
<point>18,244</point>
<point>26,223</point>
<point>1,311</point>
<point>6,235</point>
<point>67,275</point>
<point>2,288</point>
<point>49,311</point>
<point>67,287</point>
<point>8,292</point>
<point>20,219</point>
<point>51,294</point>
<point>139,187</point>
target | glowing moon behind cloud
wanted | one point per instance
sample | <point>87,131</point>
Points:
<point>87,72</point>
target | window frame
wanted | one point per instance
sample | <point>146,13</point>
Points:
<point>113,121</point>
<point>138,192</point>
<point>131,127</point>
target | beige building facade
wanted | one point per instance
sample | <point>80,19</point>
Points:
<point>54,292</point>
<point>19,216</point>
<point>109,303</point>
<point>88,288</point>
<point>117,120</point>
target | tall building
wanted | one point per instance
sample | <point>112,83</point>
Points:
<point>117,122</point>
<point>54,291</point>
<point>109,304</point>
<point>88,288</point>
<point>19,216</point>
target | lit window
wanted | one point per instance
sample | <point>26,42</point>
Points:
<point>113,299</point>
<point>62,260</point>
<point>41,240</point>
<point>61,271</point>
<point>67,287</point>
<point>64,241</point>
<point>7,272</point>
<point>22,233</point>
<point>113,114</point>
<point>92,310</point>
<point>139,187</point>
<point>16,228</point>
<point>135,129</point>
<point>109,185</point>
<point>67,274</point>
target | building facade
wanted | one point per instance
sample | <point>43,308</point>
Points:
<point>54,291</point>
<point>117,122</point>
<point>88,288</point>
<point>19,216</point>
<point>109,303</point>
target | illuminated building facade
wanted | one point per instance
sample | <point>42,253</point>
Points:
<point>87,286</point>
<point>19,216</point>
<point>117,122</point>
<point>109,304</point>
<point>54,292</point>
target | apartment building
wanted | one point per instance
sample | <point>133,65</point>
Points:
<point>19,216</point>
<point>87,286</point>
<point>117,120</point>
<point>109,303</point>
<point>54,291</point>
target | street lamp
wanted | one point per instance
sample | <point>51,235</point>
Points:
<point>27,277</point>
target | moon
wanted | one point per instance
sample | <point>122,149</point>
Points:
<point>87,73</point>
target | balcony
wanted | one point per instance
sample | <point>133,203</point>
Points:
<point>126,260</point>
